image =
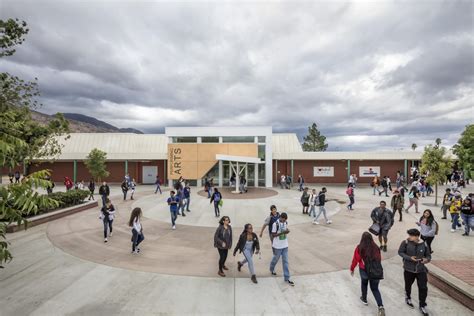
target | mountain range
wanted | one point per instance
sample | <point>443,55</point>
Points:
<point>79,123</point>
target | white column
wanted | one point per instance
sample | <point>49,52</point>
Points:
<point>221,170</point>
<point>256,175</point>
<point>237,178</point>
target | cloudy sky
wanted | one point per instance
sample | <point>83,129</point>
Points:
<point>372,75</point>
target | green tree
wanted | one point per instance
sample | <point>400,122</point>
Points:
<point>464,149</point>
<point>314,141</point>
<point>436,163</point>
<point>21,139</point>
<point>96,164</point>
<point>414,146</point>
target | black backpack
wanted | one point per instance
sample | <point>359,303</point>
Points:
<point>374,269</point>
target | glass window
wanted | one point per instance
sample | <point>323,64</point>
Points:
<point>184,139</point>
<point>261,175</point>
<point>209,139</point>
<point>251,175</point>
<point>261,139</point>
<point>261,152</point>
<point>238,139</point>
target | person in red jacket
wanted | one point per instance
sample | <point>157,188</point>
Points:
<point>367,250</point>
<point>68,183</point>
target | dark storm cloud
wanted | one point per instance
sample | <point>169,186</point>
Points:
<point>372,75</point>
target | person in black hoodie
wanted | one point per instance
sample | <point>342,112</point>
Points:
<point>91,189</point>
<point>124,187</point>
<point>104,192</point>
<point>216,198</point>
<point>415,254</point>
<point>223,242</point>
<point>248,245</point>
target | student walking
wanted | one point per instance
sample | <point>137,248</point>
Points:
<point>415,254</point>
<point>413,196</point>
<point>104,192</point>
<point>384,218</point>
<point>350,194</point>
<point>454,211</point>
<point>107,214</point>
<point>312,203</point>
<point>384,187</point>
<point>375,183</point>
<point>397,204</point>
<point>447,198</point>
<point>367,256</point>
<point>243,183</point>
<point>217,199</point>
<point>300,182</point>
<point>248,244</point>
<point>133,186</point>
<point>272,218</point>
<point>181,201</point>
<point>17,176</point>
<point>173,202</point>
<point>124,187</point>
<point>321,202</point>
<point>137,229</point>
<point>91,189</point>
<point>280,246</point>
<point>467,215</point>
<point>158,185</point>
<point>428,228</point>
<point>305,200</point>
<point>223,242</point>
<point>187,196</point>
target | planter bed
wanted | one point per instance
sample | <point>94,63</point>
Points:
<point>53,215</point>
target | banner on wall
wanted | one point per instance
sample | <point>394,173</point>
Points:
<point>323,171</point>
<point>369,171</point>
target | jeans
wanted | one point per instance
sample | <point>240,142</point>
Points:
<point>301,187</point>
<point>421,281</point>
<point>468,222</point>
<point>399,212</point>
<point>248,254</point>
<point>312,210</point>
<point>104,198</point>
<point>445,209</point>
<point>209,193</point>
<point>188,201</point>
<point>137,238</point>
<point>158,188</point>
<point>181,206</point>
<point>217,211</point>
<point>222,258</point>
<point>124,194</point>
<point>352,201</point>
<point>455,220</point>
<point>107,225</point>
<point>91,195</point>
<point>322,210</point>
<point>174,216</point>
<point>374,287</point>
<point>276,256</point>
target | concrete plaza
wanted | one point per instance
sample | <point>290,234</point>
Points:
<point>64,267</point>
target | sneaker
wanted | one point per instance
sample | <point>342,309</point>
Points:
<point>110,235</point>
<point>273,273</point>
<point>174,227</point>
<point>364,301</point>
<point>239,266</point>
<point>409,303</point>
<point>105,240</point>
<point>134,252</point>
<point>290,282</point>
<point>443,217</point>
<point>465,234</point>
<point>381,311</point>
<point>329,222</point>
<point>453,230</point>
<point>138,250</point>
<point>184,215</point>
<point>385,248</point>
<point>315,222</point>
<point>424,311</point>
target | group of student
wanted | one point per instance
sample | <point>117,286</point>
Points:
<point>248,244</point>
<point>313,200</point>
<point>128,184</point>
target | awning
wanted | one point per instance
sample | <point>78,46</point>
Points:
<point>243,159</point>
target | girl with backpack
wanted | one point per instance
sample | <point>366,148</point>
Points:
<point>107,215</point>
<point>428,228</point>
<point>248,245</point>
<point>217,199</point>
<point>137,229</point>
<point>413,198</point>
<point>350,194</point>
<point>367,256</point>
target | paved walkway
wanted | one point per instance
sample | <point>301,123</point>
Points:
<point>65,268</point>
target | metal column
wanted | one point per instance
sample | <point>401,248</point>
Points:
<point>348,169</point>
<point>292,171</point>
<point>406,171</point>
<point>74,175</point>
<point>126,166</point>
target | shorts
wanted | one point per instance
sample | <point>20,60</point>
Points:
<point>384,233</point>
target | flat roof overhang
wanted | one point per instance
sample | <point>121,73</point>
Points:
<point>243,159</point>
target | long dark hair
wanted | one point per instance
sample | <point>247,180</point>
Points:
<point>368,248</point>
<point>136,213</point>
<point>223,218</point>
<point>430,219</point>
<point>245,228</point>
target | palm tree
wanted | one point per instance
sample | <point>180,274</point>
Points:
<point>413,146</point>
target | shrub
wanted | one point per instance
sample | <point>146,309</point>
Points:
<point>66,199</point>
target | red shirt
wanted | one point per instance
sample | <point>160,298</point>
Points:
<point>357,259</point>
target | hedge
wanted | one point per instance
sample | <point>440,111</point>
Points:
<point>66,199</point>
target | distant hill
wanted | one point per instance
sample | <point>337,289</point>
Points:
<point>79,123</point>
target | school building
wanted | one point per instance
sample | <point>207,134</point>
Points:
<point>195,153</point>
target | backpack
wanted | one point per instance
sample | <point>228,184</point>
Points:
<point>273,219</point>
<point>217,197</point>
<point>317,201</point>
<point>374,269</point>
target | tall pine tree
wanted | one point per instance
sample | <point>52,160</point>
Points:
<point>314,141</point>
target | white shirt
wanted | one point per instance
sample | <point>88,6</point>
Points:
<point>281,241</point>
<point>136,225</point>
